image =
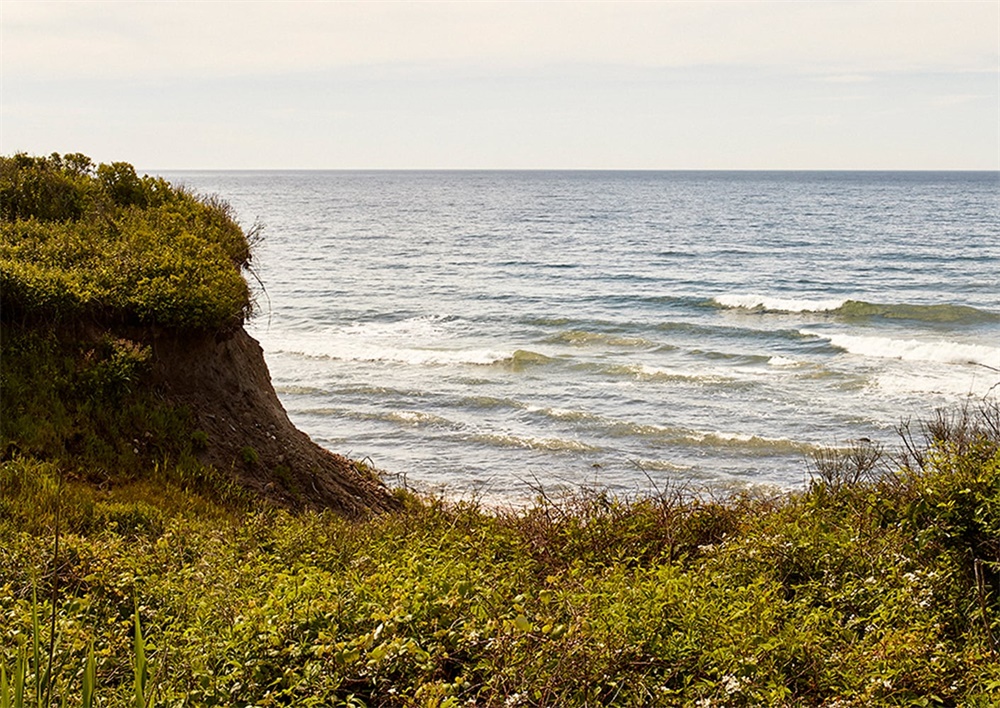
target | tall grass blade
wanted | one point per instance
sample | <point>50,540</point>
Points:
<point>141,673</point>
<point>89,679</point>
<point>4,688</point>
<point>36,646</point>
<point>47,680</point>
<point>19,670</point>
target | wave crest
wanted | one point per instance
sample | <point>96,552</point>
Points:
<point>941,351</point>
<point>581,338</point>
<point>763,303</point>
<point>857,309</point>
<point>958,314</point>
<point>509,440</point>
<point>521,359</point>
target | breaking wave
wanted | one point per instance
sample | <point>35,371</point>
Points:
<point>858,309</point>
<point>940,351</point>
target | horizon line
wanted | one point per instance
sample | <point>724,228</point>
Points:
<point>580,169</point>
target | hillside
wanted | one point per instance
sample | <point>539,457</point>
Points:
<point>123,300</point>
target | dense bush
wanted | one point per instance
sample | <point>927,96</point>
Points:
<point>872,589</point>
<point>105,245</point>
<point>86,404</point>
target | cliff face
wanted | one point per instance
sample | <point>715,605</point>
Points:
<point>223,380</point>
<point>123,300</point>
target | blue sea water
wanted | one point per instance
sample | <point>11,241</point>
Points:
<point>481,333</point>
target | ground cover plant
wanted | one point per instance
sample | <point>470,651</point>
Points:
<point>871,587</point>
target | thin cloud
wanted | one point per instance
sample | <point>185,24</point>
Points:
<point>847,79</point>
<point>957,99</point>
<point>157,39</point>
<point>786,85</point>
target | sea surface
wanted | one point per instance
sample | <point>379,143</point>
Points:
<point>484,334</point>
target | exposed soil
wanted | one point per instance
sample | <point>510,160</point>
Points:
<point>223,379</point>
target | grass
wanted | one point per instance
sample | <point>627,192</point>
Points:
<point>876,587</point>
<point>32,681</point>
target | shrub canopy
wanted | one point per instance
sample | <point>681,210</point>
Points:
<point>100,243</point>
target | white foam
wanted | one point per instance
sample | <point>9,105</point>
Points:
<point>930,382</point>
<point>413,327</point>
<point>744,440</point>
<point>416,418</point>
<point>534,443</point>
<point>417,341</point>
<point>645,372</point>
<point>941,351</point>
<point>782,361</point>
<point>413,357</point>
<point>777,304</point>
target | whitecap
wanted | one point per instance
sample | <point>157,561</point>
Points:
<point>941,351</point>
<point>509,440</point>
<point>776,304</point>
<point>782,361</point>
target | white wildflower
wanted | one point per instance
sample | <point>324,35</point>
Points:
<point>730,684</point>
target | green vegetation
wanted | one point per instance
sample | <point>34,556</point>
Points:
<point>865,589</point>
<point>80,243</point>
<point>93,259</point>
<point>78,401</point>
<point>85,405</point>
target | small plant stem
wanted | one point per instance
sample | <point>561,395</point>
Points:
<point>981,593</point>
<point>55,595</point>
<point>36,651</point>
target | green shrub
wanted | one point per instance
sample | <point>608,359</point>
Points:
<point>86,403</point>
<point>249,455</point>
<point>111,247</point>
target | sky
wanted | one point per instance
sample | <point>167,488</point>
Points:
<point>750,84</point>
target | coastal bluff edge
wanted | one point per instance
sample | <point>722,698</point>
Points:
<point>122,346</point>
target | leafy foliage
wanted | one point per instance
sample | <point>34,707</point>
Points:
<point>105,245</point>
<point>85,406</point>
<point>85,403</point>
<point>877,591</point>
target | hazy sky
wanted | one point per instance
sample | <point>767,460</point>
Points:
<point>609,85</point>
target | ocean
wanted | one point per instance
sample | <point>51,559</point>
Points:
<point>489,334</point>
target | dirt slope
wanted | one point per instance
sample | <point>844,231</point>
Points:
<point>223,379</point>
